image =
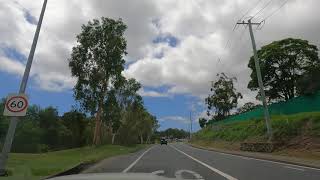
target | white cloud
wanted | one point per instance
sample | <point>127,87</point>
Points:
<point>144,93</point>
<point>12,67</point>
<point>178,119</point>
<point>202,28</point>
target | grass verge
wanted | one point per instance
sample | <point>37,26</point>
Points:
<point>298,135</point>
<point>37,166</point>
<point>285,127</point>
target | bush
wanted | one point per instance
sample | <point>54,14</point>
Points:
<point>42,148</point>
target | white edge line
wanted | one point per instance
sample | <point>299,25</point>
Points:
<point>135,162</point>
<point>264,160</point>
<point>158,172</point>
<point>294,168</point>
<point>206,165</point>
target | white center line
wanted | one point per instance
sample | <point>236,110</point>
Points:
<point>206,165</point>
<point>135,162</point>
<point>289,167</point>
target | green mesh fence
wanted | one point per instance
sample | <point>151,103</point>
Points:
<point>292,106</point>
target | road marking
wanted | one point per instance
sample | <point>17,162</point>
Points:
<point>135,162</point>
<point>158,172</point>
<point>281,163</point>
<point>178,174</point>
<point>289,167</point>
<point>245,158</point>
<point>263,160</point>
<point>206,165</point>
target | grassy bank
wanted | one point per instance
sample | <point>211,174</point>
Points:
<point>298,134</point>
<point>36,166</point>
<point>285,127</point>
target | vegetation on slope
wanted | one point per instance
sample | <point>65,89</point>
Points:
<point>285,128</point>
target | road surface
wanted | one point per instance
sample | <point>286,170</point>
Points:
<point>181,160</point>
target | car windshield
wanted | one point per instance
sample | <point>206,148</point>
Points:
<point>160,89</point>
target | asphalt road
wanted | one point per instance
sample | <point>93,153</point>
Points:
<point>181,160</point>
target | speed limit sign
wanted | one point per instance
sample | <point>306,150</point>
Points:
<point>16,105</point>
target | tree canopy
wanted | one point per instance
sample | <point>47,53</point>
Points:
<point>97,62</point>
<point>173,133</point>
<point>203,122</point>
<point>224,97</point>
<point>246,107</point>
<point>283,63</point>
<point>309,82</point>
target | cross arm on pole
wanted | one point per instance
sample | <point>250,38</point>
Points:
<point>246,23</point>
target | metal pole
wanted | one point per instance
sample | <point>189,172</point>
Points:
<point>190,126</point>
<point>14,120</point>
<point>263,97</point>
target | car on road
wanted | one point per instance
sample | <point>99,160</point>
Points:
<point>163,141</point>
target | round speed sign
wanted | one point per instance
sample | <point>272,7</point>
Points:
<point>16,105</point>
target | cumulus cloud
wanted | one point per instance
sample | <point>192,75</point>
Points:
<point>201,28</point>
<point>12,67</point>
<point>178,119</point>
<point>150,93</point>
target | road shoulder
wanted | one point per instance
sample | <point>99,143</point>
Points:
<point>115,163</point>
<point>263,156</point>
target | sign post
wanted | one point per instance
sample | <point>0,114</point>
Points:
<point>17,103</point>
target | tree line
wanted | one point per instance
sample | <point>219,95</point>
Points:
<point>172,133</point>
<point>43,129</point>
<point>289,68</point>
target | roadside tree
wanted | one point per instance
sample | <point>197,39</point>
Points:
<point>97,62</point>
<point>202,122</point>
<point>224,97</point>
<point>283,63</point>
<point>246,107</point>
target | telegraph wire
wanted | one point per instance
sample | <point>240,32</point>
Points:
<point>275,11</point>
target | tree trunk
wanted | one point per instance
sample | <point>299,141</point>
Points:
<point>141,139</point>
<point>97,129</point>
<point>113,136</point>
<point>148,140</point>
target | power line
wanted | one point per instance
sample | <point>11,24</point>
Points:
<point>264,7</point>
<point>230,41</point>
<point>240,37</point>
<point>250,9</point>
<point>275,11</point>
<point>229,44</point>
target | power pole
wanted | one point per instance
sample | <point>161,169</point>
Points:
<point>190,125</point>
<point>257,66</point>
<point>14,120</point>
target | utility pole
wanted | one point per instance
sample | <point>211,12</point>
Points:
<point>190,125</point>
<point>257,66</point>
<point>14,120</point>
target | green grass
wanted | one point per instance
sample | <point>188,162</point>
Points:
<point>285,127</point>
<point>37,166</point>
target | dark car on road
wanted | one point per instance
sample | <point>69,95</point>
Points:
<point>163,141</point>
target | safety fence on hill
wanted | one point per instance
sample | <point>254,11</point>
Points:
<point>296,105</point>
